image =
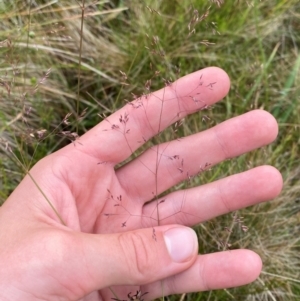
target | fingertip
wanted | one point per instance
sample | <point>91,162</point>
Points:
<point>251,266</point>
<point>211,83</point>
<point>181,243</point>
<point>256,125</point>
<point>230,269</point>
<point>244,266</point>
<point>275,179</point>
<point>269,125</point>
<point>220,76</point>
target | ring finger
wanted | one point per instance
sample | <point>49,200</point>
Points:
<point>199,204</point>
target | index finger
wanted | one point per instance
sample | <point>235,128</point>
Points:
<point>120,134</point>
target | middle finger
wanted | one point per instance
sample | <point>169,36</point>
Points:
<point>167,164</point>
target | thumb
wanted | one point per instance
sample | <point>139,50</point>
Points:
<point>139,257</point>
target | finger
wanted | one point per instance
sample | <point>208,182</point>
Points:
<point>195,205</point>
<point>170,163</point>
<point>137,257</point>
<point>120,134</point>
<point>211,271</point>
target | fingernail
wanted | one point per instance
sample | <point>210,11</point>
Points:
<point>181,243</point>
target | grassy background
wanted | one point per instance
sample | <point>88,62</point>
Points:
<point>54,62</point>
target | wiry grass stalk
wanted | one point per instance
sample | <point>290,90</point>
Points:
<point>82,7</point>
<point>40,190</point>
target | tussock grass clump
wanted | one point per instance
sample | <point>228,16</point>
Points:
<point>65,66</point>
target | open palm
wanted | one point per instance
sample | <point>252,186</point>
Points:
<point>77,228</point>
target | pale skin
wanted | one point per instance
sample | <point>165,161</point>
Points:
<point>90,250</point>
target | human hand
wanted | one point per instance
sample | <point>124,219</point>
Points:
<point>106,234</point>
